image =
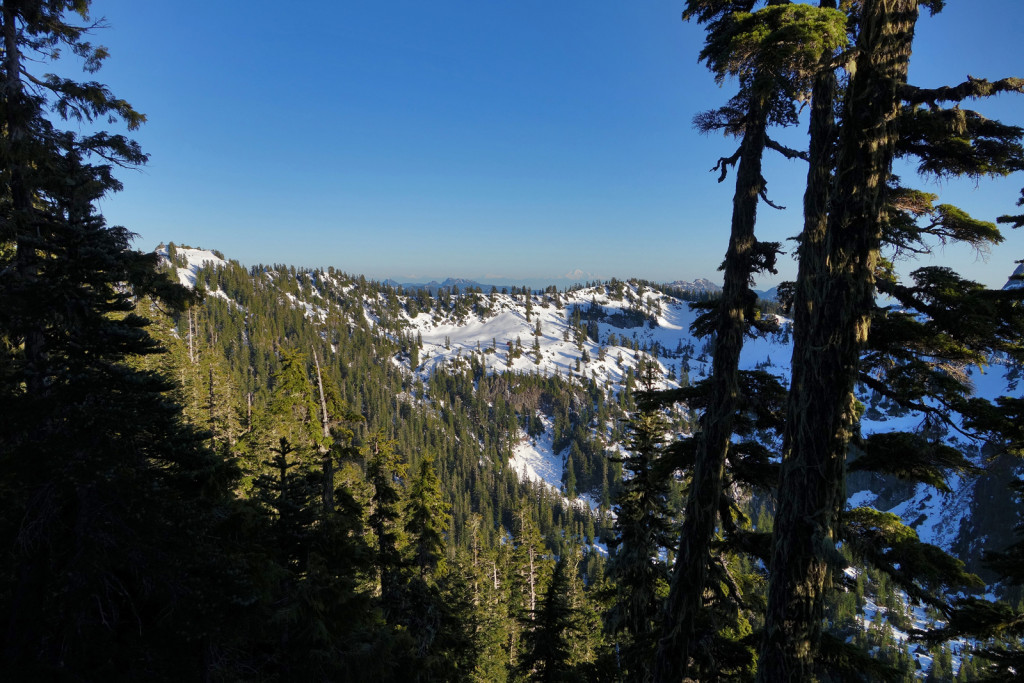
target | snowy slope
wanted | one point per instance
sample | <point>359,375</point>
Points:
<point>489,335</point>
<point>631,321</point>
<point>193,260</point>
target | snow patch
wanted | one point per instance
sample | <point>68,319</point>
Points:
<point>194,260</point>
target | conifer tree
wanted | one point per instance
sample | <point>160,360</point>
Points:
<point>565,641</point>
<point>530,575</point>
<point>836,321</point>
<point>426,520</point>
<point>774,52</point>
<point>114,563</point>
<point>644,533</point>
<point>385,472</point>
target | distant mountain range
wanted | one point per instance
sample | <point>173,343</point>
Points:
<point>449,283</point>
<point>464,284</point>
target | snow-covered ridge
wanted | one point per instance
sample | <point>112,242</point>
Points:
<point>641,324</point>
<point>193,260</point>
<point>701,284</point>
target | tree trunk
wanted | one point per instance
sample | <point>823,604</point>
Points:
<point>689,577</point>
<point>835,293</point>
<point>327,460</point>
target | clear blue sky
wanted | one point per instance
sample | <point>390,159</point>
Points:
<point>474,138</point>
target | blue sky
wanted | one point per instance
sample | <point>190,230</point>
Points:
<point>475,139</point>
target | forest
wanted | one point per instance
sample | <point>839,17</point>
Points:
<point>215,472</point>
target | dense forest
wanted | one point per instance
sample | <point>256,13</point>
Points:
<point>217,472</point>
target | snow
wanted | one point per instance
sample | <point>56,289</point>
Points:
<point>312,312</point>
<point>535,459</point>
<point>447,339</point>
<point>861,499</point>
<point>1016,280</point>
<point>919,621</point>
<point>195,259</point>
<point>934,514</point>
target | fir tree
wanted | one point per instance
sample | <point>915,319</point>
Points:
<point>385,472</point>
<point>426,520</point>
<point>643,533</point>
<point>565,641</point>
<point>774,51</point>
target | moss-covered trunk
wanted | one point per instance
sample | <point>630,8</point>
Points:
<point>689,576</point>
<point>835,293</point>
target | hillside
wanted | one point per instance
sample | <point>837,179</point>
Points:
<point>593,337</point>
<point>522,398</point>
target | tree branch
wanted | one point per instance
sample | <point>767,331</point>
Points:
<point>724,163</point>
<point>787,152</point>
<point>764,196</point>
<point>941,413</point>
<point>971,88</point>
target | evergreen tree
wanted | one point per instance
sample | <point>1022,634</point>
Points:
<point>115,564</point>
<point>385,472</point>
<point>774,52</point>
<point>643,534</point>
<point>565,641</point>
<point>836,321</point>
<point>530,575</point>
<point>426,520</point>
